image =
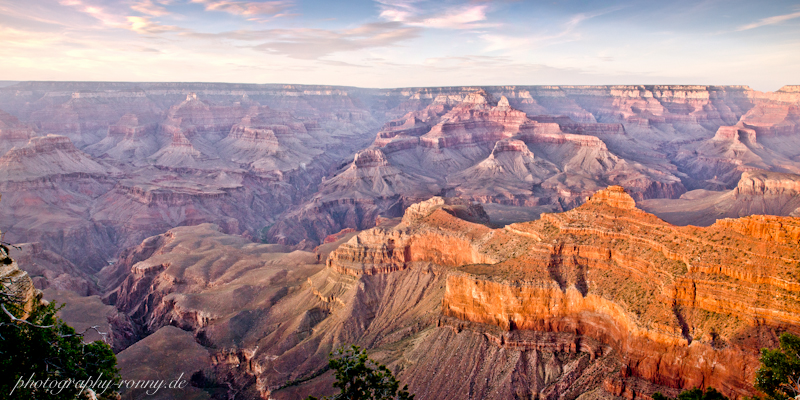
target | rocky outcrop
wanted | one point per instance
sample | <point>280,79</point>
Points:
<point>143,158</point>
<point>613,196</point>
<point>757,192</point>
<point>13,133</point>
<point>674,303</point>
<point>656,141</point>
<point>19,286</point>
<point>269,319</point>
<point>49,155</point>
<point>468,144</point>
<point>50,270</point>
<point>759,182</point>
<point>130,139</point>
<point>131,170</point>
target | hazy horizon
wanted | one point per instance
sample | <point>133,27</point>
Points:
<point>11,83</point>
<point>403,43</point>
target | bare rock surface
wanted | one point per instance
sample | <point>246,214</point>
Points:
<point>758,192</point>
<point>604,300</point>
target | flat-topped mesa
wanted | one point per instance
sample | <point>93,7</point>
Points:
<point>199,115</point>
<point>477,99</point>
<point>129,127</point>
<point>613,196</point>
<point>48,155</point>
<point>410,126</point>
<point>460,208</point>
<point>370,158</point>
<point>593,129</point>
<point>736,133</point>
<point>760,182</point>
<point>510,145</point>
<point>47,144</point>
<point>129,119</point>
<point>253,136</point>
<point>551,133</point>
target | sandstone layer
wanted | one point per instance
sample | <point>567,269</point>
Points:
<point>681,306</point>
<point>602,301</point>
<point>269,321</point>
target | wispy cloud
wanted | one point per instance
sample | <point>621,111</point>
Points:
<point>144,25</point>
<point>465,16</point>
<point>310,44</point>
<point>120,18</point>
<point>247,8</point>
<point>96,11</point>
<point>569,32</point>
<point>149,7</point>
<point>316,43</point>
<point>769,21</point>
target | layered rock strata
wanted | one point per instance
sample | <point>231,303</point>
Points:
<point>757,192</point>
<point>470,146</point>
<point>604,299</point>
<point>679,305</point>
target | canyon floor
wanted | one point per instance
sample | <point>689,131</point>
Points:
<point>483,242</point>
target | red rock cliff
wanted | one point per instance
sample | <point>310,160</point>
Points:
<point>681,306</point>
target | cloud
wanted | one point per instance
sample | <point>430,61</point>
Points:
<point>567,33</point>
<point>246,8</point>
<point>458,19</point>
<point>97,12</point>
<point>769,21</point>
<point>469,16</point>
<point>316,43</point>
<point>118,18</point>
<point>150,8</point>
<point>144,25</point>
<point>336,63</point>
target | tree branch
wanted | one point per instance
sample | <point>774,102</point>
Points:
<point>15,319</point>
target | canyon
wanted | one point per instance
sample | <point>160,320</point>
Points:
<point>539,241</point>
<point>601,301</point>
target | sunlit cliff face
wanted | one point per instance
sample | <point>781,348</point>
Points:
<point>675,303</point>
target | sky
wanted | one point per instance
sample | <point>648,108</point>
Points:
<point>404,43</point>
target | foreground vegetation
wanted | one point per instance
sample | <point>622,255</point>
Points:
<point>360,378</point>
<point>44,358</point>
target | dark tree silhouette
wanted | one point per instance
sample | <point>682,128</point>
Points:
<point>360,378</point>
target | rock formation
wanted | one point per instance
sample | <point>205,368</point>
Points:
<point>758,192</point>
<point>675,304</point>
<point>138,171</point>
<point>470,146</point>
<point>19,286</point>
<point>604,299</point>
<point>13,133</point>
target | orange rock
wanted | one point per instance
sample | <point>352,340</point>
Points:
<point>678,304</point>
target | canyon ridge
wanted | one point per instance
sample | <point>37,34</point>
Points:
<point>556,242</point>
